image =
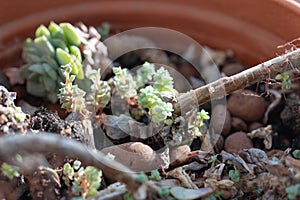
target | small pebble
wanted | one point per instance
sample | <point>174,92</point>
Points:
<point>238,124</point>
<point>247,105</point>
<point>221,119</point>
<point>237,141</point>
<point>233,68</point>
<point>179,151</point>
<point>135,155</point>
<point>188,71</point>
<point>255,125</point>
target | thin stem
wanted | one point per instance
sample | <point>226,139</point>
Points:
<point>224,86</point>
<point>50,143</point>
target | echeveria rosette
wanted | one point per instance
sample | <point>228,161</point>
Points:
<point>44,55</point>
<point>151,99</point>
<point>124,83</point>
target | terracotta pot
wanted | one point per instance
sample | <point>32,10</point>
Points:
<point>251,28</point>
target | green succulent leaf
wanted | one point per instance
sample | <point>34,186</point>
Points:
<point>51,61</point>
<point>34,87</point>
<point>71,34</point>
<point>141,177</point>
<point>99,88</point>
<point>37,68</point>
<point>42,31</point>
<point>155,175</point>
<point>44,46</point>
<point>163,192</point>
<point>50,71</point>
<point>74,50</point>
<point>74,176</point>
<point>234,175</point>
<point>296,153</point>
<point>52,47</point>
<point>59,43</point>
<point>31,58</point>
<point>10,171</point>
<point>161,111</point>
<point>63,57</point>
<point>49,83</point>
<point>54,28</point>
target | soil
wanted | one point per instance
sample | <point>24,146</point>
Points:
<point>260,154</point>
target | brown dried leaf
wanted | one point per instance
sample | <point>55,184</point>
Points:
<point>240,164</point>
<point>183,177</point>
<point>255,156</point>
<point>215,172</point>
<point>277,169</point>
<point>264,133</point>
<point>294,164</point>
<point>227,186</point>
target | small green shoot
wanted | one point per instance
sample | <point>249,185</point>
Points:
<point>10,171</point>
<point>155,175</point>
<point>199,122</point>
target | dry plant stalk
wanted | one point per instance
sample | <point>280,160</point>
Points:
<point>226,85</point>
<point>50,143</point>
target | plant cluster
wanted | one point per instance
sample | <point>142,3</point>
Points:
<point>124,84</point>
<point>83,181</point>
<point>51,48</point>
<point>71,97</point>
<point>100,90</point>
<point>199,122</point>
<point>159,84</point>
<point>54,55</point>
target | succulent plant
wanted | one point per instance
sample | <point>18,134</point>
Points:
<point>151,99</point>
<point>199,122</point>
<point>70,96</point>
<point>10,171</point>
<point>124,83</point>
<point>44,55</point>
<point>100,89</point>
<point>163,82</point>
<point>83,181</point>
<point>144,74</point>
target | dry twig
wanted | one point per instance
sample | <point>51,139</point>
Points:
<point>226,85</point>
<point>50,143</point>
